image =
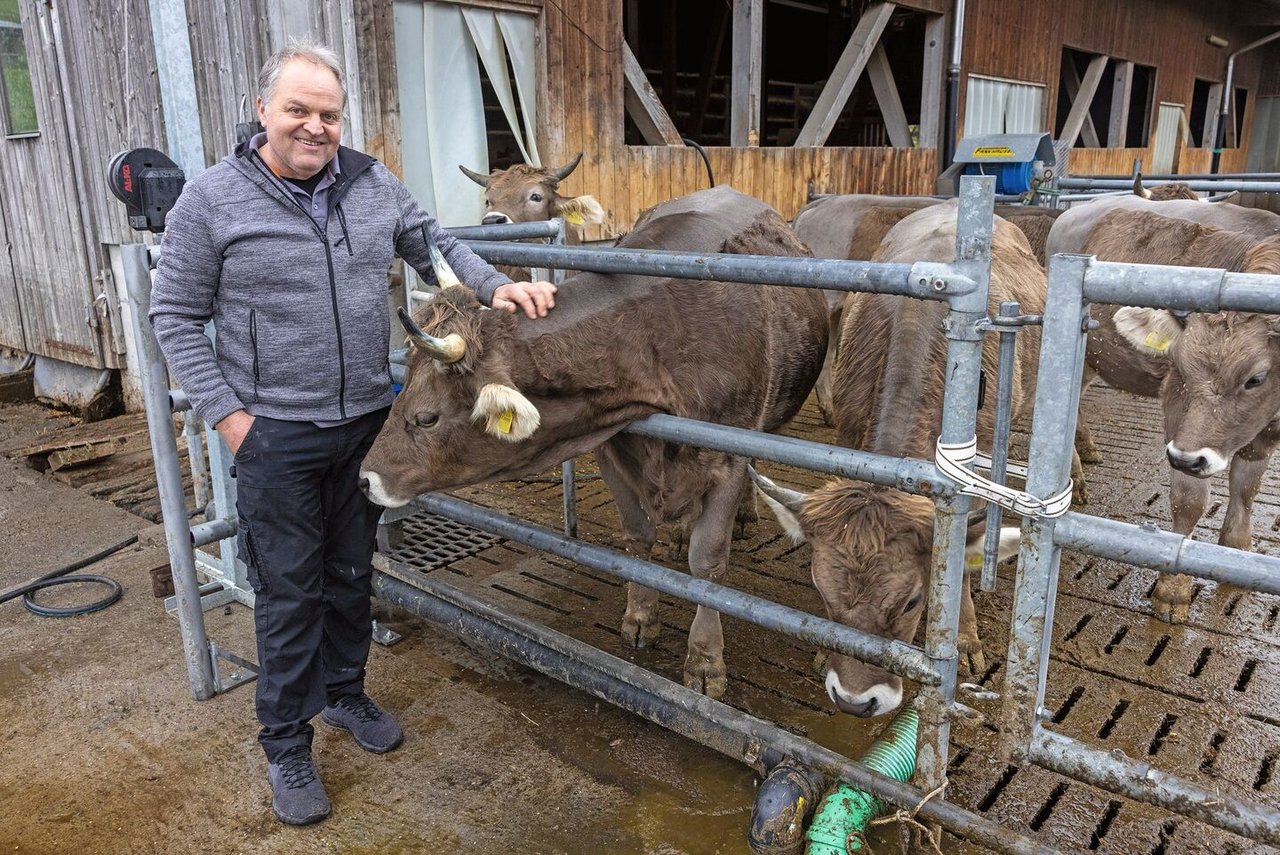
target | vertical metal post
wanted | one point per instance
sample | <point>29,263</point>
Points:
<point>1000,441</point>
<point>1053,427</point>
<point>568,469</point>
<point>191,429</point>
<point>164,452</point>
<point>959,423</point>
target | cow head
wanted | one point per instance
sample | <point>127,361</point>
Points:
<point>523,194</point>
<point>1164,192</point>
<point>871,552</point>
<point>1223,382</point>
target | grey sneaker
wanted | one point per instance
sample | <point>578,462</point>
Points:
<point>297,796</point>
<point>374,728</point>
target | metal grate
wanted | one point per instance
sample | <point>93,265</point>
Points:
<point>431,542</point>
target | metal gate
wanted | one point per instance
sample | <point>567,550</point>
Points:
<point>1024,737</point>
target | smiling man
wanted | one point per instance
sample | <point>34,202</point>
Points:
<point>286,245</point>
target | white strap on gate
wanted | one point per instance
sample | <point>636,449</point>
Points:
<point>953,461</point>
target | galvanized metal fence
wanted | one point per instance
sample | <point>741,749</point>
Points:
<point>963,286</point>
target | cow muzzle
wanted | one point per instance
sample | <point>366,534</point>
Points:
<point>495,218</point>
<point>371,485</point>
<point>877,700</point>
<point>1202,462</point>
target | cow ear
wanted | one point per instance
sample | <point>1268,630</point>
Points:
<point>1010,540</point>
<point>1151,331</point>
<point>784,503</point>
<point>580,211</point>
<point>507,414</point>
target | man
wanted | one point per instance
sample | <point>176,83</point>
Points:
<point>286,245</point>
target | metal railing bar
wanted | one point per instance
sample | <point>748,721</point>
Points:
<point>923,280</point>
<point>1198,289</point>
<point>730,731</point>
<point>895,656</point>
<point>1167,551</point>
<point>1141,781</point>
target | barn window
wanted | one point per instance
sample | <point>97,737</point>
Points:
<point>859,81</point>
<point>996,106</point>
<point>17,98</point>
<point>1205,98</point>
<point>468,96</point>
<point>1103,102</point>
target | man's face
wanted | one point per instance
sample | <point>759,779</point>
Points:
<point>303,120</point>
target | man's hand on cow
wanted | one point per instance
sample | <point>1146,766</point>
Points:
<point>233,428</point>
<point>536,298</point>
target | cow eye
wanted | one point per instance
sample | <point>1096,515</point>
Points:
<point>912,604</point>
<point>535,197</point>
<point>1256,380</point>
<point>426,420</point>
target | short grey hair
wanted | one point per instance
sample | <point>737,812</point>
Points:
<point>312,52</point>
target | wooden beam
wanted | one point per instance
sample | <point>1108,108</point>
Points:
<point>643,106</point>
<point>934,83</point>
<point>826,112</point>
<point>1081,99</point>
<point>1211,108</point>
<point>745,96</point>
<point>886,90</point>
<point>1121,89</point>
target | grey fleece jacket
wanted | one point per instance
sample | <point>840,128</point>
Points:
<point>301,316</point>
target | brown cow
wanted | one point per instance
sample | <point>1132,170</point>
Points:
<point>1214,377</point>
<point>872,544</point>
<point>526,194</point>
<point>852,227</point>
<point>1164,192</point>
<point>524,395</point>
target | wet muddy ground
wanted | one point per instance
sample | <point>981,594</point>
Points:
<point>104,751</point>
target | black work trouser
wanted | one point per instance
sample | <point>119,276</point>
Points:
<point>307,534</point>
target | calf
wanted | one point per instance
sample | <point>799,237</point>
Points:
<point>872,544</point>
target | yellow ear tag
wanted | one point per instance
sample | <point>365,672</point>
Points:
<point>505,418</point>
<point>974,561</point>
<point>1157,342</point>
<point>574,218</point>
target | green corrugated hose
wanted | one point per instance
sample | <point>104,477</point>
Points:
<point>847,809</point>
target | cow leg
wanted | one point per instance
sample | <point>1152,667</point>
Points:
<point>1188,498</point>
<point>709,559</point>
<point>968,643</point>
<point>1079,493</point>
<point>640,624</point>
<point>747,515</point>
<point>1085,448</point>
<point>1247,468</point>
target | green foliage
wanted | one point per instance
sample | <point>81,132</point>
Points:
<point>9,11</point>
<point>22,102</point>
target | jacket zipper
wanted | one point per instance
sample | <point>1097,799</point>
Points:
<point>253,339</point>
<point>333,284</point>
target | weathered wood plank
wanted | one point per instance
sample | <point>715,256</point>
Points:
<point>886,91</point>
<point>1079,119</point>
<point>1121,90</point>
<point>643,106</point>
<point>745,88</point>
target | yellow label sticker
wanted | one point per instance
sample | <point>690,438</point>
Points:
<point>993,151</point>
<point>974,561</point>
<point>505,418</point>
<point>574,218</point>
<point>1157,342</point>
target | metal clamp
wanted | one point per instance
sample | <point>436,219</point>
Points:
<point>953,461</point>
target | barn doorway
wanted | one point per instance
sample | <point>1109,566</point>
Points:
<point>469,94</point>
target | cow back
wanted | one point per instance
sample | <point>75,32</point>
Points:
<point>889,375</point>
<point>1072,229</point>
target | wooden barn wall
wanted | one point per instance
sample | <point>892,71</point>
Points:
<point>229,42</point>
<point>585,86</point>
<point>93,99</point>
<point>1024,40</point>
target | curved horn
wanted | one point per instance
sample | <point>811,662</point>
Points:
<point>451,348</point>
<point>482,180</point>
<point>445,277</point>
<point>563,172</point>
<point>1138,189</point>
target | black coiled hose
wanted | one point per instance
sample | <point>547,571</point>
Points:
<point>61,577</point>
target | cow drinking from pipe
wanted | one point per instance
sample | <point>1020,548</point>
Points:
<point>526,194</point>
<point>491,395</point>
<point>872,545</point>
<point>1217,375</point>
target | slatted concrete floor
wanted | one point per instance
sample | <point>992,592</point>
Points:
<point>1202,701</point>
